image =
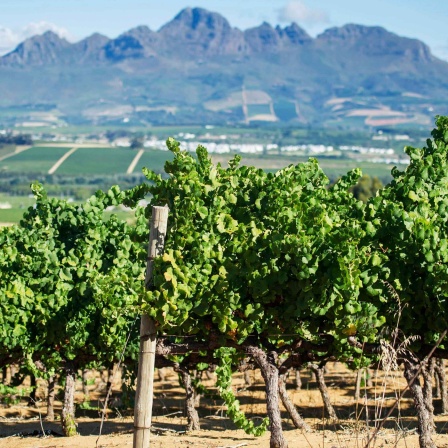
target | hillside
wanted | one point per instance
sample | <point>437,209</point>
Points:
<point>199,69</point>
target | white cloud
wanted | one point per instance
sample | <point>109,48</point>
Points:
<point>298,11</point>
<point>34,28</point>
<point>10,38</point>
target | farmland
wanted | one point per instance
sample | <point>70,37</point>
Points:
<point>75,161</point>
<point>83,160</point>
<point>38,159</point>
<point>333,167</point>
<point>154,160</point>
<point>276,274</point>
<point>77,170</point>
<point>89,161</point>
<point>12,207</point>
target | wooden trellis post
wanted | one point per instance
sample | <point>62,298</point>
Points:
<point>146,360</point>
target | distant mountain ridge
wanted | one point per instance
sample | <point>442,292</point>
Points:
<point>203,33</point>
<point>198,65</point>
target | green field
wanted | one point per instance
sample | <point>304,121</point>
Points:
<point>38,159</point>
<point>10,216</point>
<point>285,110</point>
<point>258,109</point>
<point>154,160</point>
<point>337,168</point>
<point>19,204</point>
<point>13,216</point>
<point>98,161</point>
<point>115,161</point>
<point>332,167</point>
<point>91,168</point>
<point>6,149</point>
<point>84,161</point>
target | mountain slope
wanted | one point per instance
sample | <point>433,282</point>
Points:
<point>47,48</point>
<point>199,68</point>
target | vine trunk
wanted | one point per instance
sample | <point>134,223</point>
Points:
<point>289,405</point>
<point>50,398</point>
<point>424,415</point>
<point>192,413</point>
<point>319,372</point>
<point>267,362</point>
<point>68,409</point>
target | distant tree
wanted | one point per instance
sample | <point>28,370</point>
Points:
<point>82,193</point>
<point>19,139</point>
<point>112,135</point>
<point>137,142</point>
<point>366,187</point>
<point>22,139</point>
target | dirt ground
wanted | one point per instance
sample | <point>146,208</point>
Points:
<point>358,418</point>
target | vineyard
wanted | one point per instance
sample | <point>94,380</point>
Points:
<point>80,160</point>
<point>264,272</point>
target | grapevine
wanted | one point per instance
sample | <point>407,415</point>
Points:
<point>251,254</point>
<point>283,268</point>
<point>70,286</point>
<point>224,385</point>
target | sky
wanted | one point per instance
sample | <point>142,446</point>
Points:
<point>76,19</point>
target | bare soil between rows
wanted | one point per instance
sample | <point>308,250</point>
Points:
<point>358,418</point>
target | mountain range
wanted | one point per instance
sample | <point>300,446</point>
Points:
<point>199,69</point>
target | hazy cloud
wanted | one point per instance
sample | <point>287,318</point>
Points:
<point>7,39</point>
<point>10,38</point>
<point>298,11</point>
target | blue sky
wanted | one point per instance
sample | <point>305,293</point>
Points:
<point>75,19</point>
